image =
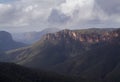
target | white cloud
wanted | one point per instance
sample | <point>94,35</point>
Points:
<point>25,12</point>
<point>71,5</point>
<point>90,12</point>
<point>5,8</point>
<point>34,13</point>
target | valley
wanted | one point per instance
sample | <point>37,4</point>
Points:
<point>89,54</point>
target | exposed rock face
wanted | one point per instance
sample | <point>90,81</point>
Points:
<point>67,52</point>
<point>90,38</point>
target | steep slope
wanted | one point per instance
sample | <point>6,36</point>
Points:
<point>7,43</point>
<point>89,55</point>
<point>14,73</point>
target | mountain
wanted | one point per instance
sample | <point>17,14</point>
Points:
<point>88,54</point>
<point>32,37</point>
<point>10,72</point>
<point>7,42</point>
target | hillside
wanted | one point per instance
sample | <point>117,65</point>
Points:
<point>32,37</point>
<point>16,73</point>
<point>7,42</point>
<point>89,55</point>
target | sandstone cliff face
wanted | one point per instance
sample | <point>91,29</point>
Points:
<point>82,37</point>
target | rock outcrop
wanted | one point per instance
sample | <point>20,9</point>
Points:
<point>90,38</point>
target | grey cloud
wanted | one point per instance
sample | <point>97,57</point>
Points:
<point>105,13</point>
<point>110,6</point>
<point>6,13</point>
<point>65,13</point>
<point>7,1</point>
<point>58,17</point>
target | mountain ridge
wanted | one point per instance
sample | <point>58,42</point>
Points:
<point>83,37</point>
<point>32,37</point>
<point>66,54</point>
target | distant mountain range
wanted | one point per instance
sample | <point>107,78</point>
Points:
<point>7,42</point>
<point>91,54</point>
<point>32,37</point>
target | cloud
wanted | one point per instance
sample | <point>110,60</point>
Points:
<point>59,13</point>
<point>111,7</point>
<point>57,17</point>
<point>5,13</point>
<point>93,13</point>
<point>5,8</point>
<point>7,1</point>
<point>25,12</point>
<point>70,6</point>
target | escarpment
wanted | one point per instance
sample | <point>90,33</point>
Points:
<point>82,37</point>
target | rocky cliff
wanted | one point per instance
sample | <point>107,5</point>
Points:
<point>83,37</point>
<point>94,55</point>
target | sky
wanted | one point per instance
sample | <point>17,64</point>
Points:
<point>35,15</point>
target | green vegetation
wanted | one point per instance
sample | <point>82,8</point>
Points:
<point>13,73</point>
<point>94,30</point>
<point>65,55</point>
